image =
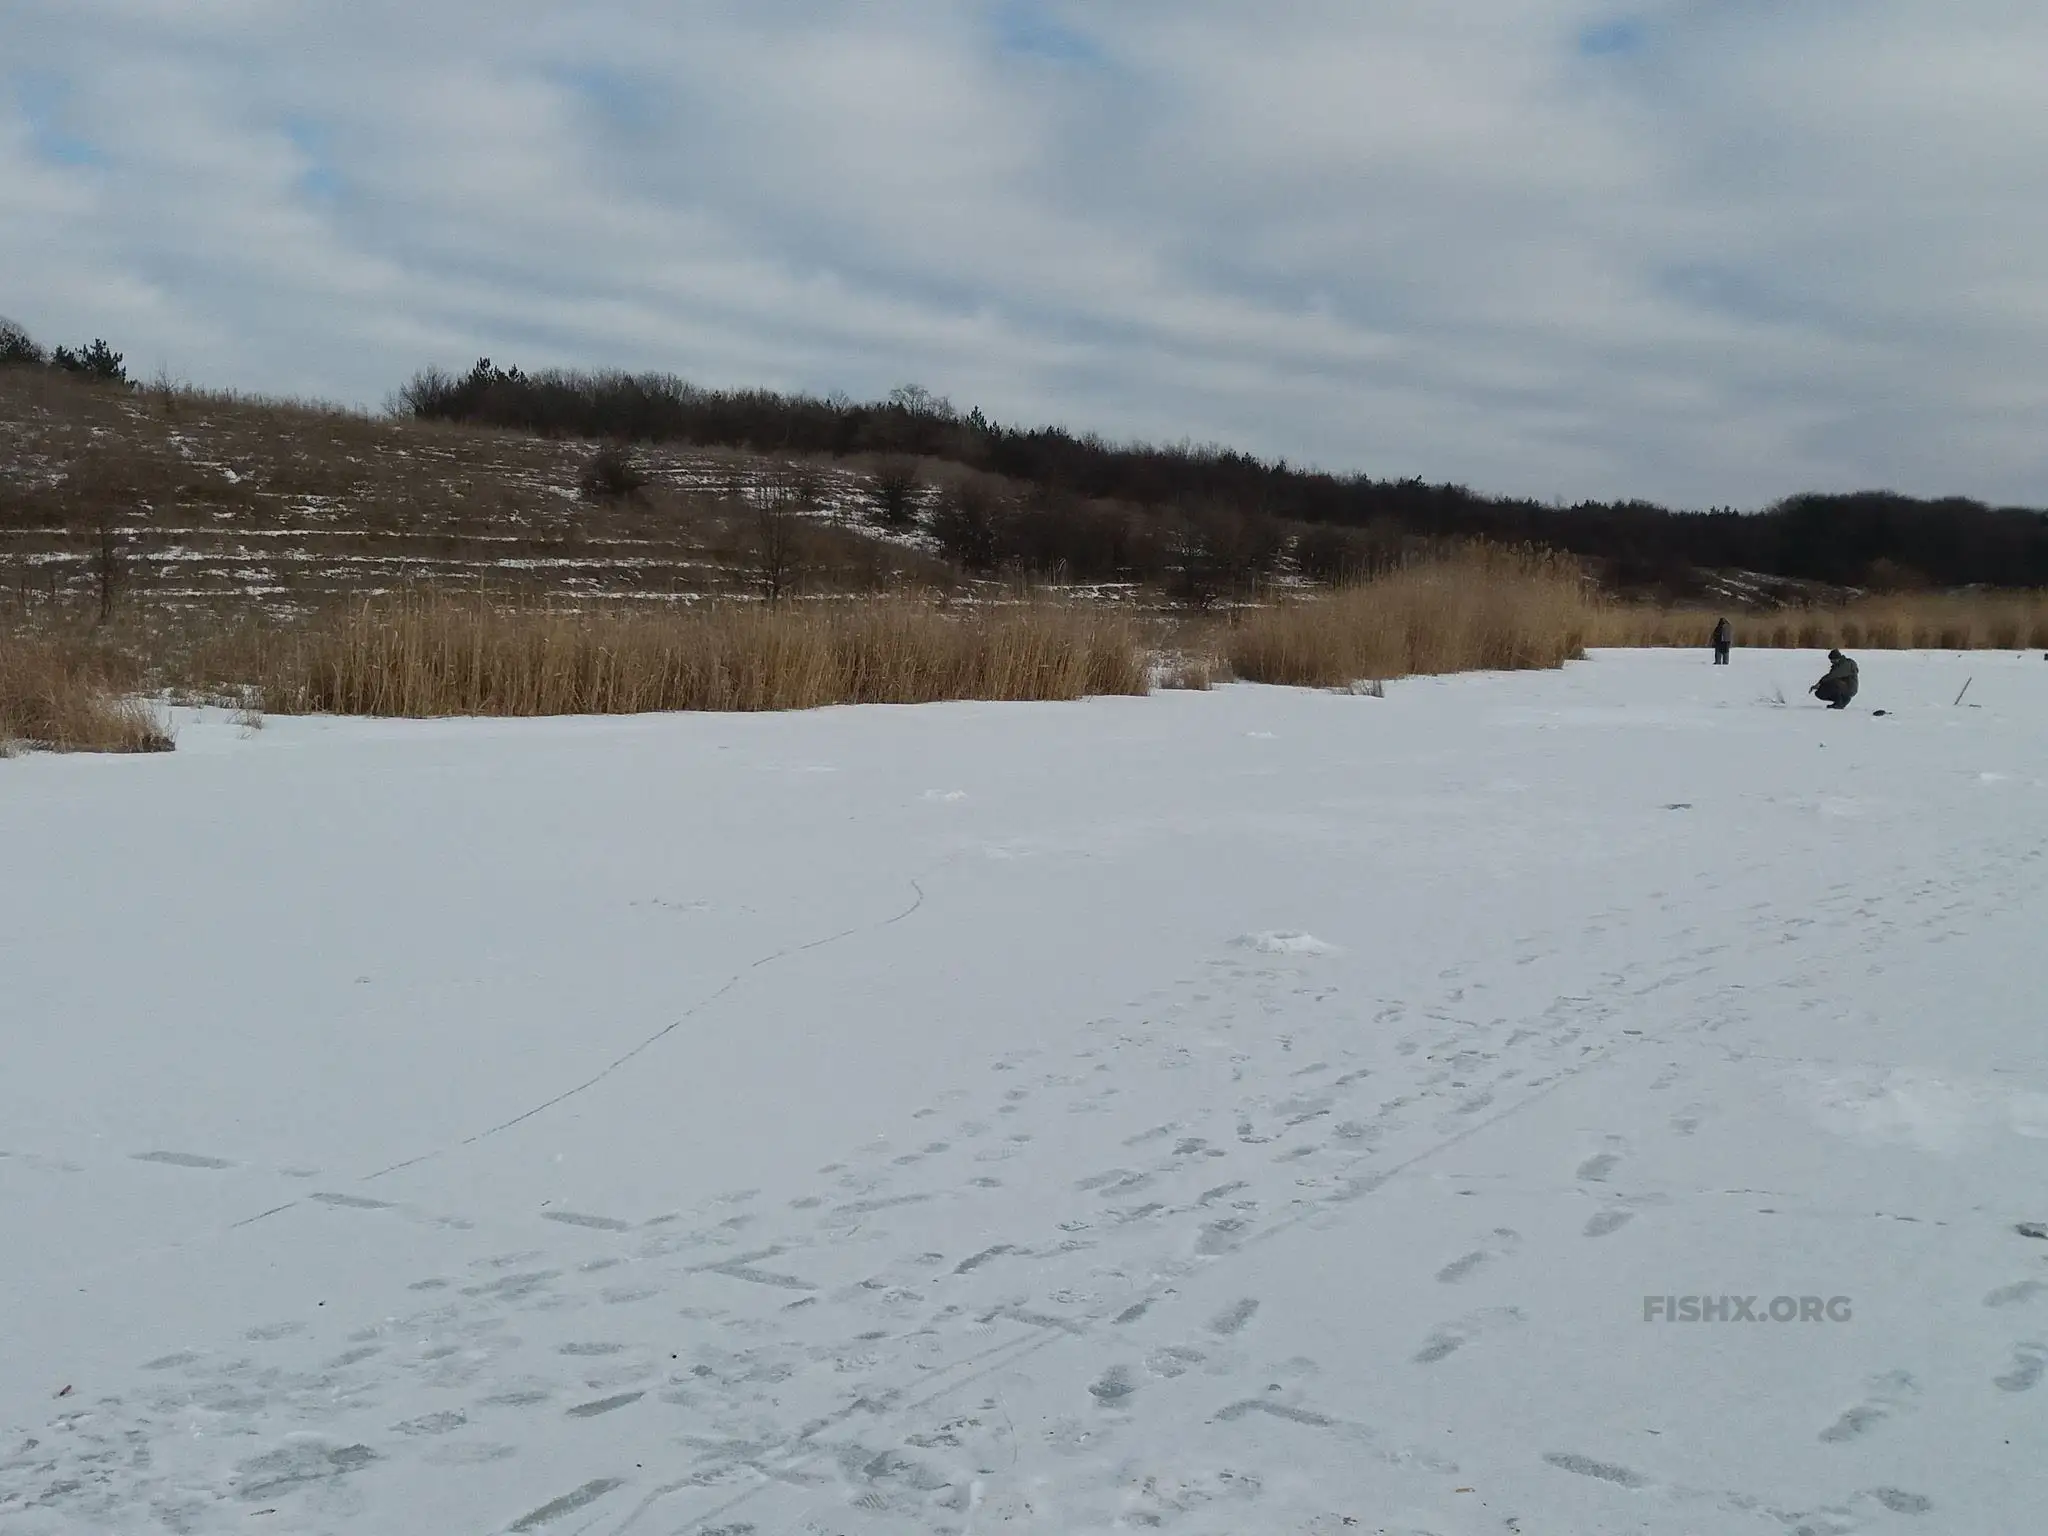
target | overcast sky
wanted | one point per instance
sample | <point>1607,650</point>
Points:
<point>1703,251</point>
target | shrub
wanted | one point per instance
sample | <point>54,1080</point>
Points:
<point>892,499</point>
<point>612,474</point>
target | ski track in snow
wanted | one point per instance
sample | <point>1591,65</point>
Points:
<point>833,1357</point>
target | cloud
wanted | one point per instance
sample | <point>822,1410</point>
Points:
<point>1707,251</point>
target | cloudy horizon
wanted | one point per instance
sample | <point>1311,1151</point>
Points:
<point>1702,252</point>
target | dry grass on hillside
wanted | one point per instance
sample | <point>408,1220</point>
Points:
<point>437,655</point>
<point>187,498</point>
<point>1482,610</point>
<point>63,697</point>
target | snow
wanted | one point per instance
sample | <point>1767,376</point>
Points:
<point>1286,944</point>
<point>1247,1111</point>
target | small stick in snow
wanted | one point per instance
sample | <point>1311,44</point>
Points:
<point>1966,687</point>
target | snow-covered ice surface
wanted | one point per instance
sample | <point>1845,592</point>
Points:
<point>1256,1111</point>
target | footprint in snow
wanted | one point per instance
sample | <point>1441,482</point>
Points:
<point>432,1424</point>
<point>1448,1338</point>
<point>1114,1387</point>
<point>1173,1360</point>
<point>2018,1291</point>
<point>1594,1170</point>
<point>2029,1362</point>
<point>1504,1242</point>
<point>1232,1319</point>
<point>1604,1471</point>
<point>184,1160</point>
<point>1889,1395</point>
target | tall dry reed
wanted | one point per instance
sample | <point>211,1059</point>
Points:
<point>436,655</point>
<point>1483,609</point>
<point>62,698</point>
<point>1948,621</point>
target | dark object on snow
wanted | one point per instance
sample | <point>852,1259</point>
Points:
<point>2033,1229</point>
<point>1724,637</point>
<point>1839,686</point>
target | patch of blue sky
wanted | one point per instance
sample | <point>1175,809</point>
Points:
<point>1034,29</point>
<point>1617,38</point>
<point>318,178</point>
<point>43,102</point>
<point>1735,293</point>
<point>619,99</point>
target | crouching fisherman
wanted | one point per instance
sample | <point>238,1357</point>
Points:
<point>1839,686</point>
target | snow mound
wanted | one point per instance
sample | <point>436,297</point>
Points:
<point>1928,1113</point>
<point>1286,944</point>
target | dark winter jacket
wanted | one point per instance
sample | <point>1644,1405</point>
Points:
<point>1723,633</point>
<point>1840,683</point>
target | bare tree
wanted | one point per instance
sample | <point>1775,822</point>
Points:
<point>779,534</point>
<point>916,400</point>
<point>106,559</point>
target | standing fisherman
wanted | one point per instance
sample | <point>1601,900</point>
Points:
<point>1724,637</point>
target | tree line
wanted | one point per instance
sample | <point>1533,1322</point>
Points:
<point>1078,481</point>
<point>1208,520</point>
<point>96,360</point>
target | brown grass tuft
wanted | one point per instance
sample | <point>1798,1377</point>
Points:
<point>436,655</point>
<point>1180,671</point>
<point>1484,609</point>
<point>62,699</point>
